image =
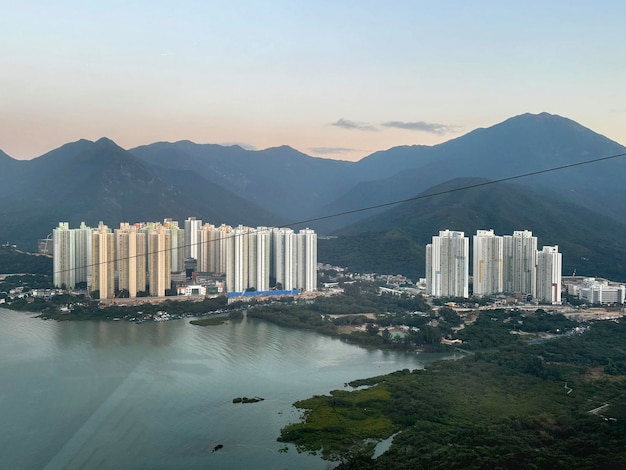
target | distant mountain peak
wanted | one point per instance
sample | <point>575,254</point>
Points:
<point>540,119</point>
<point>543,114</point>
<point>542,128</point>
<point>105,141</point>
<point>283,148</point>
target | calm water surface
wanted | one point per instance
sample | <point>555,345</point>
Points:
<point>111,395</point>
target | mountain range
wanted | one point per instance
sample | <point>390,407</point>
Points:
<point>575,207</point>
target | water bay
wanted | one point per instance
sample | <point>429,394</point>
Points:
<point>159,394</point>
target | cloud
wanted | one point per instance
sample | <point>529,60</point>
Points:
<point>421,126</point>
<point>331,150</point>
<point>354,125</point>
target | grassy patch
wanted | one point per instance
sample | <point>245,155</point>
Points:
<point>343,423</point>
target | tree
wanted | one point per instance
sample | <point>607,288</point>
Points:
<point>372,329</point>
<point>351,290</point>
<point>386,335</point>
<point>449,316</point>
<point>430,335</point>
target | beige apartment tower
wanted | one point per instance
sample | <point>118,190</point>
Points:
<point>131,259</point>
<point>63,262</point>
<point>549,272</point>
<point>159,260</point>
<point>520,263</point>
<point>103,262</point>
<point>487,263</point>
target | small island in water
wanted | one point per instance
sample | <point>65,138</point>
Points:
<point>247,400</point>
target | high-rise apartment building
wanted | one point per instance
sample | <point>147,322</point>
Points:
<point>238,260</point>
<point>259,258</point>
<point>130,245</point>
<point>213,248</point>
<point>277,264</point>
<point>306,260</point>
<point>252,261</point>
<point>520,262</point>
<point>208,249</point>
<point>283,267</point>
<point>103,265</point>
<point>447,265</point>
<point>487,263</point>
<point>262,254</point>
<point>192,229</point>
<point>177,235</point>
<point>159,260</point>
<point>83,260</point>
<point>63,263</point>
<point>549,273</point>
<point>222,249</point>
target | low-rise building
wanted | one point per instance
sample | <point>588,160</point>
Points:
<point>192,291</point>
<point>600,292</point>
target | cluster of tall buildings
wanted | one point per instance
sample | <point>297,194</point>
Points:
<point>501,264</point>
<point>142,257</point>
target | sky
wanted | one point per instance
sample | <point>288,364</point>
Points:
<point>333,79</point>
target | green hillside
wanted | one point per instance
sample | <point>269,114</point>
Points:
<point>394,242</point>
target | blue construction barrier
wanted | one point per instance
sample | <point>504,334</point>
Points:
<point>262,293</point>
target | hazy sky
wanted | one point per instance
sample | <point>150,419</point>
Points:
<point>337,79</point>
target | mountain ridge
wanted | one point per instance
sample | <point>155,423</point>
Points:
<point>94,181</point>
<point>85,180</point>
<point>519,145</point>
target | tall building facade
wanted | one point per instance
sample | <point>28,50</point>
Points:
<point>103,266</point>
<point>208,249</point>
<point>64,261</point>
<point>263,253</point>
<point>306,260</point>
<point>177,240</point>
<point>192,229</point>
<point>283,267</point>
<point>237,266</point>
<point>520,262</point>
<point>487,263</point>
<point>159,260</point>
<point>222,250</point>
<point>83,259</point>
<point>549,272</point>
<point>131,249</point>
<point>142,257</point>
<point>447,265</point>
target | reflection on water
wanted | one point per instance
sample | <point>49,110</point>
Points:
<point>106,334</point>
<point>159,394</point>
